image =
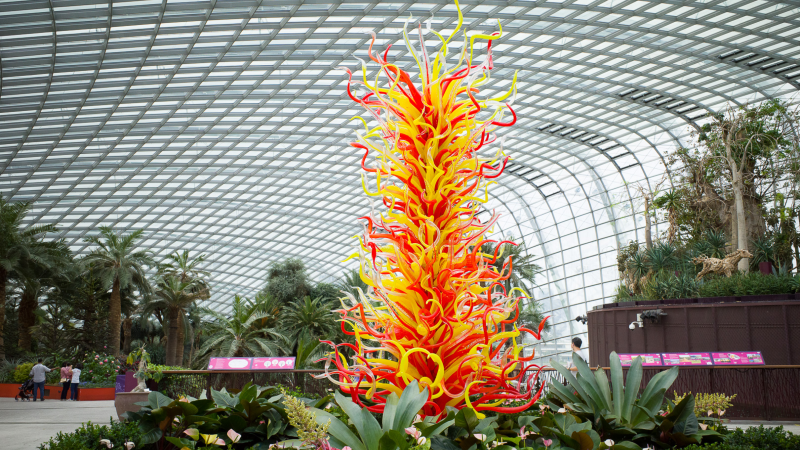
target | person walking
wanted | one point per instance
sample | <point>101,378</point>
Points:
<point>76,379</point>
<point>66,379</point>
<point>37,372</point>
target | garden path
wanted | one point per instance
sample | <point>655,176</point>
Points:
<point>25,425</point>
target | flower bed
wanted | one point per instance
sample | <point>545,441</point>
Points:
<point>53,392</point>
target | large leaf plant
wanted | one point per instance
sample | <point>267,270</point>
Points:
<point>617,411</point>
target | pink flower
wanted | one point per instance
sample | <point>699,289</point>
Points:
<point>192,433</point>
<point>234,436</point>
<point>105,346</point>
<point>522,433</point>
<point>105,360</point>
<point>346,448</point>
<point>413,431</point>
<point>547,442</point>
<point>101,363</point>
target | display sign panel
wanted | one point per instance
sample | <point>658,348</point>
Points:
<point>275,363</point>
<point>738,359</point>
<point>687,359</point>
<point>648,359</point>
<point>230,363</point>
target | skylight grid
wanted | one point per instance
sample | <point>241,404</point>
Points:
<point>222,127</point>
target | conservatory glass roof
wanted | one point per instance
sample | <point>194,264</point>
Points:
<point>222,127</point>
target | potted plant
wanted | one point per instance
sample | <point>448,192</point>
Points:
<point>126,401</point>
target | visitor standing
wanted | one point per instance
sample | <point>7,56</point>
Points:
<point>66,379</point>
<point>76,379</point>
<point>576,350</point>
<point>37,373</point>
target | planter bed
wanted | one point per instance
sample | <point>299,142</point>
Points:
<point>53,392</point>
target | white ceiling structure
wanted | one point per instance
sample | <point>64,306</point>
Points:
<point>222,126</point>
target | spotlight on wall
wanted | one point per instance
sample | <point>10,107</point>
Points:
<point>653,315</point>
<point>582,319</point>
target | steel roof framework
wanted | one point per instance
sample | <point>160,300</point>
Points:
<point>222,126</point>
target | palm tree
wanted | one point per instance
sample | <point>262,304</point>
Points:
<point>175,296</point>
<point>186,269</point>
<point>670,201</point>
<point>240,334</point>
<point>47,265</point>
<point>309,319</point>
<point>117,262</point>
<point>351,282</point>
<point>16,245</point>
<point>522,265</point>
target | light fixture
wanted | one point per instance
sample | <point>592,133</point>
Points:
<point>653,315</point>
<point>638,321</point>
<point>582,319</point>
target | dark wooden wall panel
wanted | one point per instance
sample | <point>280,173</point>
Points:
<point>770,327</point>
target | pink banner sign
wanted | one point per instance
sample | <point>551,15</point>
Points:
<point>230,363</point>
<point>687,359</point>
<point>278,363</point>
<point>648,359</point>
<point>738,359</point>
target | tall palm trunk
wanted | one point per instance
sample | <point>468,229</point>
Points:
<point>3,280</point>
<point>180,341</point>
<point>114,318</point>
<point>172,337</point>
<point>127,325</point>
<point>27,318</point>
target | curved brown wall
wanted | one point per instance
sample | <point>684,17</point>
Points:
<point>771,327</point>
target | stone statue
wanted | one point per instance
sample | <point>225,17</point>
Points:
<point>720,266</point>
<point>141,372</point>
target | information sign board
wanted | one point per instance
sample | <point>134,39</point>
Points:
<point>275,363</point>
<point>738,358</point>
<point>687,359</point>
<point>230,363</point>
<point>648,359</point>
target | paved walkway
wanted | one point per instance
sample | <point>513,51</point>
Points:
<point>793,427</point>
<point>26,425</point>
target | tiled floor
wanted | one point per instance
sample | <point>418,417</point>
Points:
<point>26,425</point>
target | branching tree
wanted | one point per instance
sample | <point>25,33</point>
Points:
<point>752,145</point>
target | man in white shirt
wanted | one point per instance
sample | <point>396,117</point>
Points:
<point>37,372</point>
<point>576,349</point>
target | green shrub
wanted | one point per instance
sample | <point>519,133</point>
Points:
<point>176,386</point>
<point>754,438</point>
<point>100,369</point>
<point>89,435</point>
<point>740,284</point>
<point>23,372</point>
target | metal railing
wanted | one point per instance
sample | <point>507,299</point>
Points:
<point>193,382</point>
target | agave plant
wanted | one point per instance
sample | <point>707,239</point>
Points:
<point>663,256</point>
<point>618,412</point>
